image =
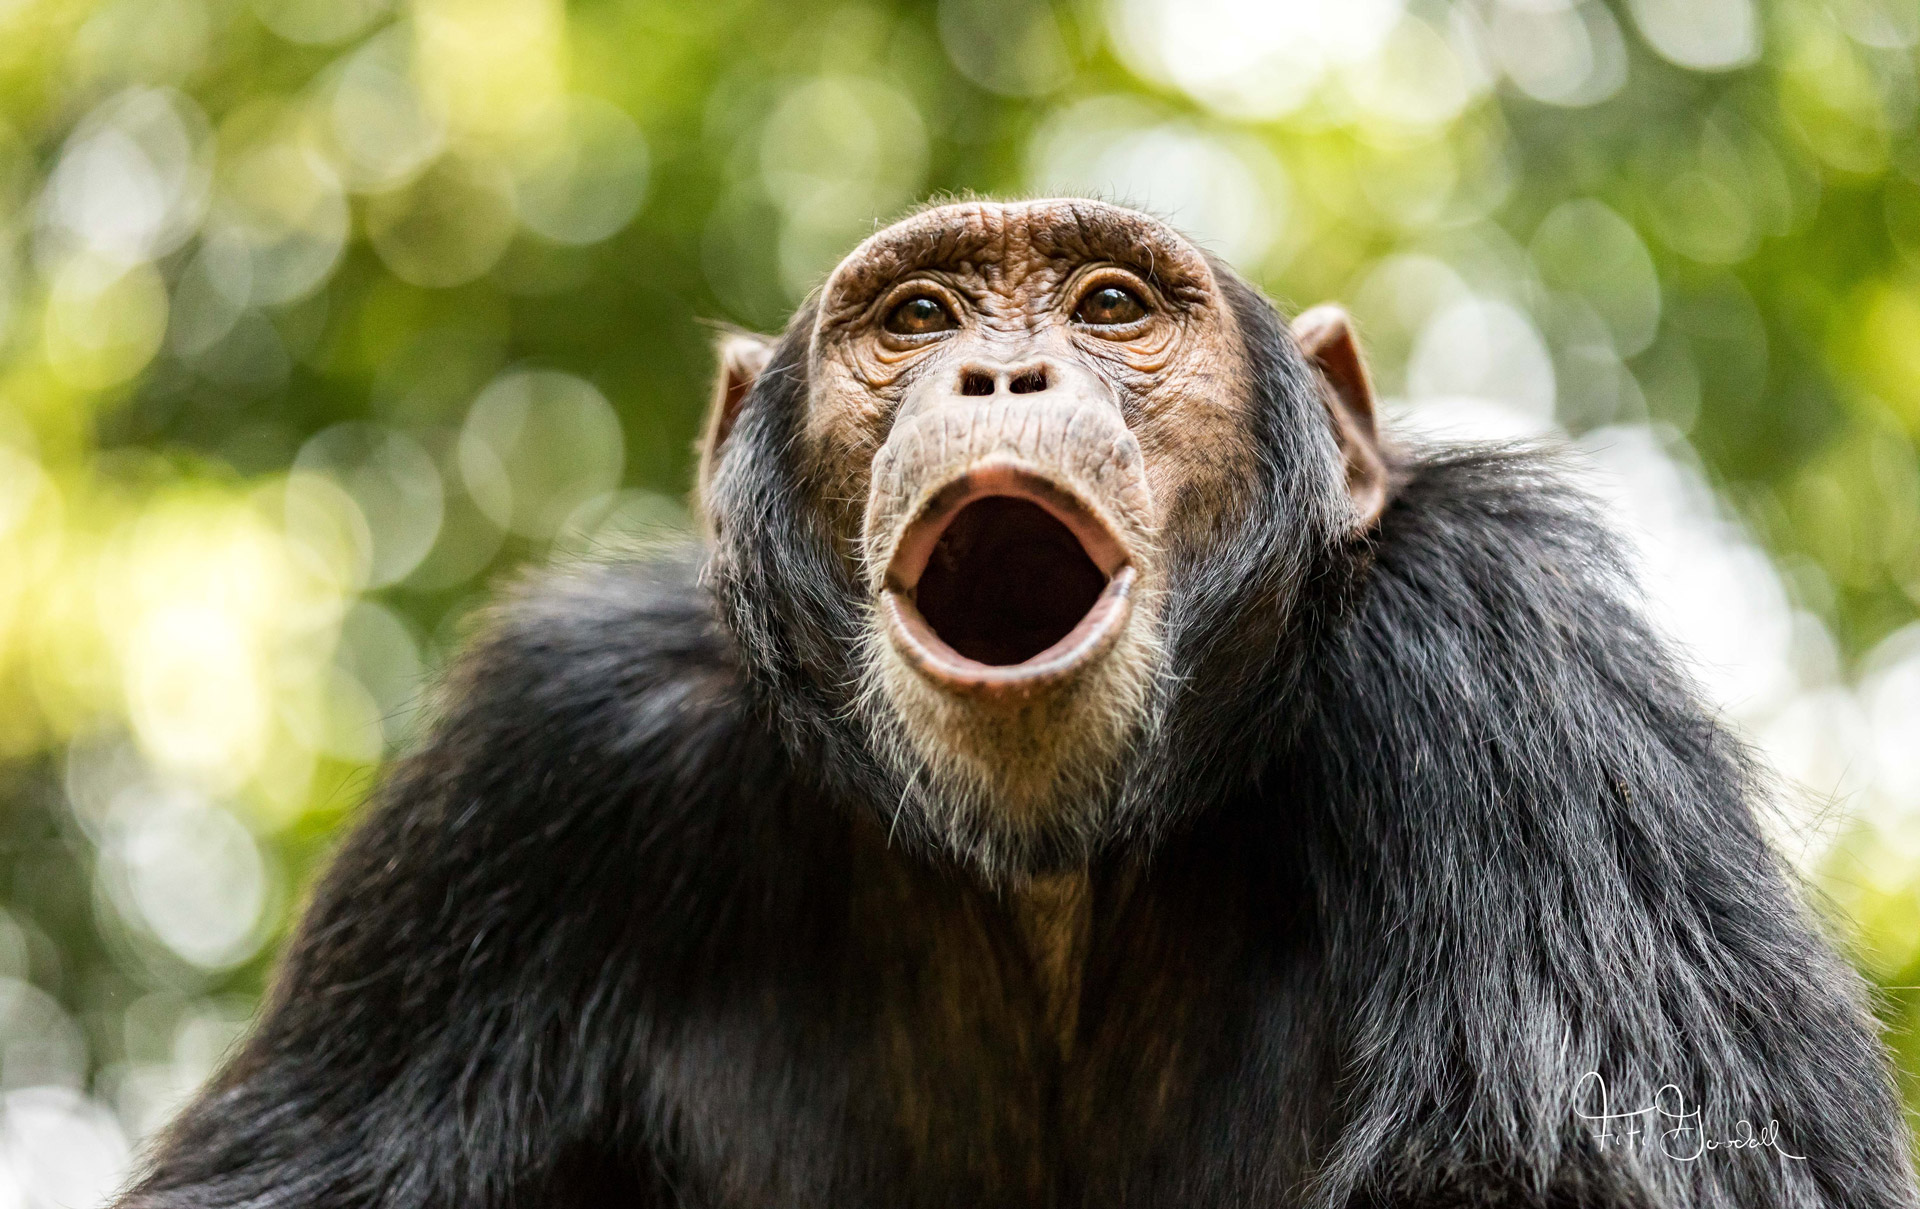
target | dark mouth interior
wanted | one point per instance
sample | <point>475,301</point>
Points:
<point>1006,581</point>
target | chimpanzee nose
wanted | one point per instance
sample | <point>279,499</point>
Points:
<point>981,378</point>
<point>979,385</point>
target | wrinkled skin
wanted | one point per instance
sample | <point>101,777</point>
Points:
<point>1012,275</point>
<point>1140,417</point>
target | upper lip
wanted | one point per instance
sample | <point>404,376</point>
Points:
<point>1092,634</point>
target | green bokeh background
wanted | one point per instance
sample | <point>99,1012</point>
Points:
<point>317,317</point>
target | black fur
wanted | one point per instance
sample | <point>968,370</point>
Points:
<point>1423,831</point>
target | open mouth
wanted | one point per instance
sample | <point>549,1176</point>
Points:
<point>1006,582</point>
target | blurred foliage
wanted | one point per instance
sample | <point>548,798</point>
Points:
<point>316,316</point>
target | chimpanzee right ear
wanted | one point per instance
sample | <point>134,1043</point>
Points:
<point>742,356</point>
<point>1325,334</point>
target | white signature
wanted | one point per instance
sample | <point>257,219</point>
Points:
<point>1669,1122</point>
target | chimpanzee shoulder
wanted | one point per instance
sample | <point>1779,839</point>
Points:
<point>525,889</point>
<point>594,789</point>
<point>596,716</point>
<point>580,638</point>
<point>1543,847</point>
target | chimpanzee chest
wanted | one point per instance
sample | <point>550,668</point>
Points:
<point>1010,1050</point>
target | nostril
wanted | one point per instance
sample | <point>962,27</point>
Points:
<point>1030,382</point>
<point>975,382</point>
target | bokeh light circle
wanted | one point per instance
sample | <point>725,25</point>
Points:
<point>536,445</point>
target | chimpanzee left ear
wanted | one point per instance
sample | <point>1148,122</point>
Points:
<point>1325,335</point>
<point>742,356</point>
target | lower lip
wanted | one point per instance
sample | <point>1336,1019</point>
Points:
<point>1092,637</point>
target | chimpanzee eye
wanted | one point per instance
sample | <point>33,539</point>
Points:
<point>1110,306</point>
<point>920,316</point>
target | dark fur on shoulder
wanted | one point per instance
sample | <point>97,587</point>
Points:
<point>1426,828</point>
<point>1546,850</point>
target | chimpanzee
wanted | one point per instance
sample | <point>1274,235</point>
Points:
<point>1083,766</point>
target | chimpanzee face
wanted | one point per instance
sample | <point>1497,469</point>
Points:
<point>1017,418</point>
<point>1025,400</point>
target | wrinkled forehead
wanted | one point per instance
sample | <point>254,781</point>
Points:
<point>1006,241</point>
